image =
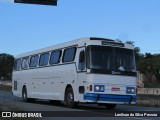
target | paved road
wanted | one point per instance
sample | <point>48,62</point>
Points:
<point>83,111</point>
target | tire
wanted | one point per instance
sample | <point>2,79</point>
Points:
<point>69,98</point>
<point>110,106</point>
<point>24,95</point>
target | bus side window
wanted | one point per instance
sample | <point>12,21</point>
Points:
<point>25,63</point>
<point>34,61</point>
<point>69,54</point>
<point>55,57</point>
<point>44,59</point>
<point>81,64</point>
<point>17,64</point>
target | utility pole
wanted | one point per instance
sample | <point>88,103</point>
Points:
<point>40,2</point>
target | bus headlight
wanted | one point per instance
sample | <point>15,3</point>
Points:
<point>99,88</point>
<point>130,90</point>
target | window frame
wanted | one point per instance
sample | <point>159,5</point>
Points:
<point>31,61</point>
<point>15,63</point>
<point>46,53</point>
<point>64,54</point>
<point>59,57</point>
<point>28,60</point>
<point>83,62</point>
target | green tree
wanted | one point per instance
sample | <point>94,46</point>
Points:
<point>149,65</point>
<point>157,71</point>
<point>6,65</point>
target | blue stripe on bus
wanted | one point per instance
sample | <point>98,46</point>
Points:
<point>106,97</point>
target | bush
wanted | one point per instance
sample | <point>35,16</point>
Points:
<point>154,84</point>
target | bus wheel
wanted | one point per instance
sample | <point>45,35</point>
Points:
<point>69,98</point>
<point>110,106</point>
<point>24,95</point>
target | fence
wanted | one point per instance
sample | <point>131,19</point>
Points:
<point>148,91</point>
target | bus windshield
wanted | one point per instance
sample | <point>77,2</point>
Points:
<point>110,58</point>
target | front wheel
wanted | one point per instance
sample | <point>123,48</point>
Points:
<point>69,98</point>
<point>110,106</point>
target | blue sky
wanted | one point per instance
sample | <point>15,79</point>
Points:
<point>25,27</point>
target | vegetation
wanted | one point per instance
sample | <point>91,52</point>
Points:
<point>149,65</point>
<point>5,88</point>
<point>151,84</point>
<point>6,66</point>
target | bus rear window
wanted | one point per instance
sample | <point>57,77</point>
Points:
<point>34,61</point>
<point>69,54</point>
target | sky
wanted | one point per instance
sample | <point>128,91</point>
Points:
<point>26,27</point>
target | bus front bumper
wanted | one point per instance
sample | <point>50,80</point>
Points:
<point>109,98</point>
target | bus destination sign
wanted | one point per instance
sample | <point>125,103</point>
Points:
<point>112,44</point>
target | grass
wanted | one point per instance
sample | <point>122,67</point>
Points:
<point>5,88</point>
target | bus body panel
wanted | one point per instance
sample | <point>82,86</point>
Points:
<point>115,88</point>
<point>46,86</point>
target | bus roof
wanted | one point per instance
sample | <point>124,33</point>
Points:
<point>79,42</point>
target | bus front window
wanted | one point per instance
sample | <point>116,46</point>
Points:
<point>124,60</point>
<point>110,59</point>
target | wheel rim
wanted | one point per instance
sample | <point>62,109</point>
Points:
<point>24,96</point>
<point>70,98</point>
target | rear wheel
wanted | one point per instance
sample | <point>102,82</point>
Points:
<point>110,106</point>
<point>69,98</point>
<point>24,96</point>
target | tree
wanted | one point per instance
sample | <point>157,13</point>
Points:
<point>149,65</point>
<point>157,71</point>
<point>6,65</point>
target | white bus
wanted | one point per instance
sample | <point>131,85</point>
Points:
<point>87,70</point>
